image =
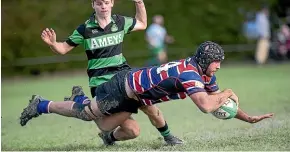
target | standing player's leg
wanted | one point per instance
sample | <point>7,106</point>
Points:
<point>157,120</point>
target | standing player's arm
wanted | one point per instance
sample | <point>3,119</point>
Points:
<point>241,115</point>
<point>61,47</point>
<point>75,39</point>
<point>209,103</point>
<point>141,16</point>
<point>48,36</point>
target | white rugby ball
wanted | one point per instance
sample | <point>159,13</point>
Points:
<point>227,111</point>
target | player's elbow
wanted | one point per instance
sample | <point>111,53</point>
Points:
<point>143,26</point>
<point>202,101</point>
<point>206,108</point>
<point>64,48</point>
<point>58,52</point>
<point>62,52</point>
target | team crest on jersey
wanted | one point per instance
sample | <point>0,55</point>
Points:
<point>199,84</point>
<point>114,28</point>
<point>94,31</point>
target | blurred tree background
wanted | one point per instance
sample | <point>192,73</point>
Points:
<point>189,21</point>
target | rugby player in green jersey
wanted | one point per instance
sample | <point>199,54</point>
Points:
<point>102,37</point>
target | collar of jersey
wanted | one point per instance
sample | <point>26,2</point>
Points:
<point>95,23</point>
<point>193,62</point>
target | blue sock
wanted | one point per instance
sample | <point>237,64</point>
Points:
<point>80,99</point>
<point>42,107</point>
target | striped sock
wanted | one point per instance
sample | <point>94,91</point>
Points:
<point>164,131</point>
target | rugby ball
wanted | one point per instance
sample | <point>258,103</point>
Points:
<point>227,111</point>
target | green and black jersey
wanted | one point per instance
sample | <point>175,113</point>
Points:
<point>103,46</point>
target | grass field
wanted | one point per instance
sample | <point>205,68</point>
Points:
<point>261,90</point>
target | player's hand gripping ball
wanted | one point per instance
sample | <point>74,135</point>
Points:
<point>227,111</point>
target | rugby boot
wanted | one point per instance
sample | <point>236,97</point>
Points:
<point>76,91</point>
<point>105,136</point>
<point>31,110</point>
<point>172,140</point>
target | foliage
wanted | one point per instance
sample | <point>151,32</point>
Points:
<point>189,21</point>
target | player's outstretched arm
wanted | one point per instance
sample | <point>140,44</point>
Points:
<point>61,48</point>
<point>141,16</point>
<point>208,103</point>
<point>49,37</point>
<point>241,115</point>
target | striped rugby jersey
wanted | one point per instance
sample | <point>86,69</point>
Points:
<point>170,81</point>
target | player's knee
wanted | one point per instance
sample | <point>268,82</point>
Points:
<point>131,128</point>
<point>133,132</point>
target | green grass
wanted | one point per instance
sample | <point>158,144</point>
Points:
<point>261,90</point>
